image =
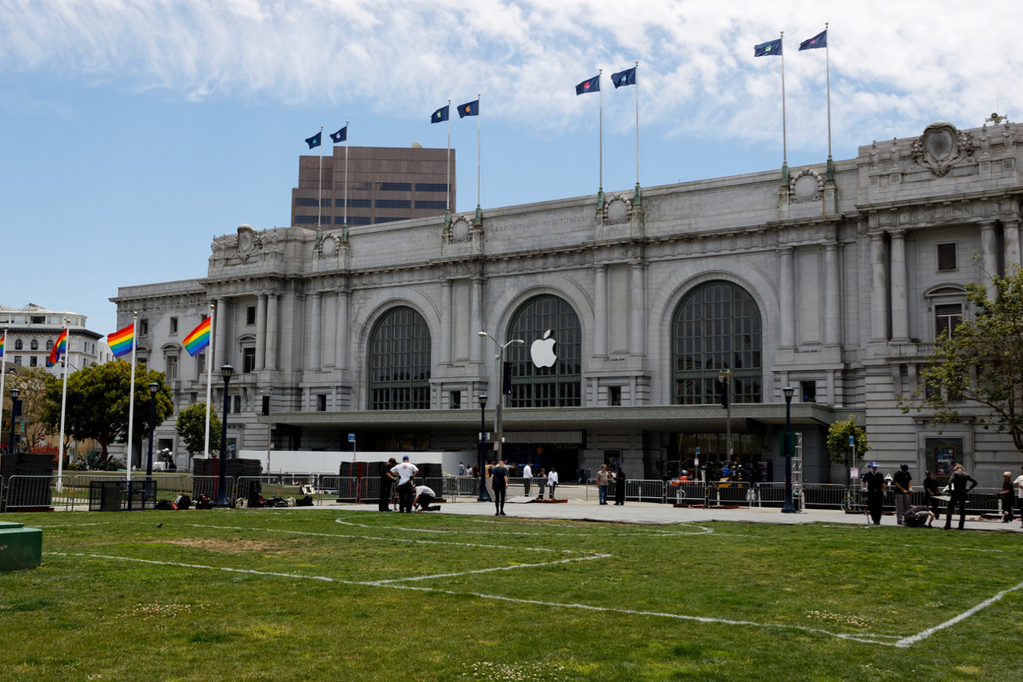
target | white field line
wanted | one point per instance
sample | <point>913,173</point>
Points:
<point>907,641</point>
<point>865,638</point>
<point>487,570</point>
<point>663,533</point>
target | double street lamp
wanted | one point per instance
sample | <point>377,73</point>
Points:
<point>15,411</point>
<point>153,388</point>
<point>484,495</point>
<point>501,391</point>
<point>225,371</point>
<point>788,507</point>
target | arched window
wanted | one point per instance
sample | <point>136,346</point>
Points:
<point>399,362</point>
<point>18,345</point>
<point>49,344</point>
<point>558,384</point>
<point>716,327</point>
<point>34,345</point>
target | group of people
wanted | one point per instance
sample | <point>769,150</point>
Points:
<point>410,496</point>
<point>604,480</point>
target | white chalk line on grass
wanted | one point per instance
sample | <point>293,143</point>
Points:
<point>907,641</point>
<point>703,531</point>
<point>487,570</point>
<point>864,638</point>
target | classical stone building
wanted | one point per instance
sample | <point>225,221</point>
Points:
<point>32,331</point>
<point>835,285</point>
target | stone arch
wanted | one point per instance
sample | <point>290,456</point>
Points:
<point>506,305</point>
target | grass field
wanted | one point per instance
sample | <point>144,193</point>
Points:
<point>331,595</point>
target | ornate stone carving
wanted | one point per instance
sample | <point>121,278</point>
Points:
<point>460,230</point>
<point>806,185</point>
<point>942,147</point>
<point>618,210</point>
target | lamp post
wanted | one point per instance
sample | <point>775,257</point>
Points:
<point>268,393</point>
<point>153,388</point>
<point>15,405</point>
<point>225,371</point>
<point>788,508</point>
<point>498,424</point>
<point>484,495</point>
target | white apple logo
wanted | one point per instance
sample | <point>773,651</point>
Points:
<point>542,351</point>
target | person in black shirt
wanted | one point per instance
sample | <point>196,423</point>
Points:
<point>499,483</point>
<point>957,490</point>
<point>930,491</point>
<point>873,484</point>
<point>386,481</point>
<point>620,488</point>
<point>901,480</point>
<point>1008,497</point>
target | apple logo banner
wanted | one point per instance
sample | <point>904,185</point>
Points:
<point>542,351</point>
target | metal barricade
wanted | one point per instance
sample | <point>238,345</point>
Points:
<point>208,486</point>
<point>36,493</point>
<point>824,496</point>
<point>265,486</point>
<point>79,496</point>
<point>641,490</point>
<point>344,489</point>
<point>467,486</point>
<point>731,494</point>
<point>690,492</point>
<point>769,494</point>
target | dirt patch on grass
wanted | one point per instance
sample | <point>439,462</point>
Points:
<point>235,546</point>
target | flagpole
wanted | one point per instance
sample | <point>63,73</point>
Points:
<point>601,91</point>
<point>784,139</point>
<point>63,403</point>
<point>637,124</point>
<point>319,185</point>
<point>346,173</point>
<point>209,386</point>
<point>131,391</point>
<point>3,376</point>
<point>447,193</point>
<point>479,149</point>
<point>827,62</point>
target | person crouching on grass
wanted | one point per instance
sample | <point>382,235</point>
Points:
<point>424,498</point>
<point>918,517</point>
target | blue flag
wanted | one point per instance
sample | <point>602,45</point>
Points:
<point>768,49</point>
<point>469,109</point>
<point>440,115</point>
<point>627,77</point>
<point>592,85</point>
<point>819,40</point>
<point>314,141</point>
<point>340,136</point>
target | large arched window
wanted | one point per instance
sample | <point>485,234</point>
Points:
<point>399,362</point>
<point>716,327</point>
<point>558,384</point>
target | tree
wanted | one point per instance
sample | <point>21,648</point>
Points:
<point>191,426</point>
<point>980,364</point>
<point>97,403</point>
<point>838,442</point>
<point>31,382</point>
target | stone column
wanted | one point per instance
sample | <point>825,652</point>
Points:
<point>1012,250</point>
<point>271,331</point>
<point>600,311</point>
<point>261,331</point>
<point>223,320</point>
<point>446,313</point>
<point>878,295</point>
<point>832,298</point>
<point>637,311</point>
<point>989,256</point>
<point>787,282</point>
<point>476,317</point>
<point>341,338</point>
<point>315,331</point>
<point>900,302</point>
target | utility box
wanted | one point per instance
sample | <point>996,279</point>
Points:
<point>20,547</point>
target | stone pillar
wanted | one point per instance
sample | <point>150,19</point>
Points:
<point>900,296</point>
<point>788,299</point>
<point>476,320</point>
<point>271,331</point>
<point>637,311</point>
<point>223,320</point>
<point>989,256</point>
<point>261,331</point>
<point>341,338</point>
<point>315,331</point>
<point>600,311</point>
<point>878,295</point>
<point>832,298</point>
<point>446,314</point>
<point>1012,250</point>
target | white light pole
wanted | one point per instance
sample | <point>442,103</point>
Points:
<point>498,426</point>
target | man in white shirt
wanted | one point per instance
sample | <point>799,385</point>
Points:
<point>405,472</point>
<point>552,483</point>
<point>461,469</point>
<point>424,498</point>
<point>527,477</point>
<point>1018,484</point>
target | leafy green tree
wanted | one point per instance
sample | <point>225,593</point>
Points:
<point>191,426</point>
<point>980,364</point>
<point>31,382</point>
<point>838,442</point>
<point>97,403</point>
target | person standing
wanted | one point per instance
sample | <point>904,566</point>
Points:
<point>461,469</point>
<point>620,488</point>
<point>386,481</point>
<point>405,472</point>
<point>527,478</point>
<point>930,492</point>
<point>499,484</point>
<point>902,482</point>
<point>957,489</point>
<point>552,482</point>
<point>1008,499</point>
<point>873,485</point>
<point>603,476</point>
<point>543,483</point>
<point>1018,483</point>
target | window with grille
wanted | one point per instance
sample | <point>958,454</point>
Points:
<point>717,326</point>
<point>558,385</point>
<point>947,318</point>
<point>172,367</point>
<point>248,360</point>
<point>947,257</point>
<point>399,362</point>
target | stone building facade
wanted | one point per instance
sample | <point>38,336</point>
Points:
<point>833,282</point>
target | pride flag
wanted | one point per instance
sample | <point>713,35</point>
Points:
<point>198,339</point>
<point>121,342</point>
<point>3,340</point>
<point>59,348</point>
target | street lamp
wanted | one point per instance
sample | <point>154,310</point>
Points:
<point>267,394</point>
<point>498,425</point>
<point>225,371</point>
<point>484,495</point>
<point>788,508</point>
<point>15,411</point>
<point>153,388</point>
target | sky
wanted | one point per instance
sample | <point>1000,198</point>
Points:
<point>134,131</point>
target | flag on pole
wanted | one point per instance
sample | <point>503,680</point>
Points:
<point>441,114</point>
<point>314,141</point>
<point>622,78</point>
<point>3,340</point>
<point>819,40</point>
<point>339,136</point>
<point>121,342</point>
<point>768,49</point>
<point>59,348</point>
<point>591,85</point>
<point>198,339</point>
<point>469,109</point>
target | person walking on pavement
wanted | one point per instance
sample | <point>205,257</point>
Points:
<point>930,492</point>
<point>957,490</point>
<point>405,472</point>
<point>902,480</point>
<point>1008,499</point>
<point>386,481</point>
<point>873,485</point>
<point>620,488</point>
<point>499,483</point>
<point>552,483</point>
<point>527,478</point>
<point>603,476</point>
<point>1018,483</point>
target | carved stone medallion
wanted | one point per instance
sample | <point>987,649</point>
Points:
<point>460,228</point>
<point>618,210</point>
<point>806,185</point>
<point>942,147</point>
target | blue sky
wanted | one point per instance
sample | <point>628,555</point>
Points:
<point>133,131</point>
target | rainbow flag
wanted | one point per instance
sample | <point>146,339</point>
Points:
<point>3,339</point>
<point>59,348</point>
<point>198,339</point>
<point>121,342</point>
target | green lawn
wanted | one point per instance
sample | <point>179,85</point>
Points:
<point>328,595</point>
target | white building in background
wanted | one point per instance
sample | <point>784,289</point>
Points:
<point>32,331</point>
<point>833,283</point>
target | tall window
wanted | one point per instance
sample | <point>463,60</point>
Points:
<point>716,327</point>
<point>555,385</point>
<point>947,318</point>
<point>399,362</point>
<point>248,360</point>
<point>172,367</point>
